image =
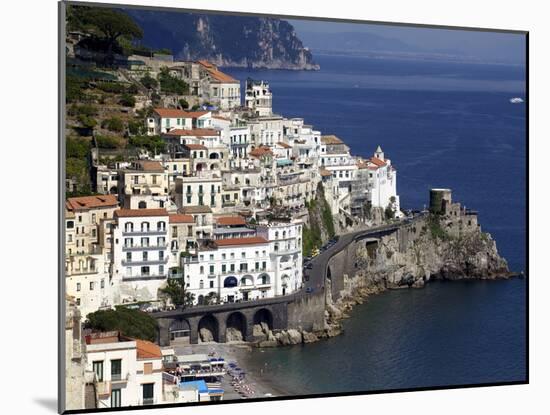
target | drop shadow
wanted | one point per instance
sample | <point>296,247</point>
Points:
<point>48,403</point>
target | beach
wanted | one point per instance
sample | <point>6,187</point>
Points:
<point>258,379</point>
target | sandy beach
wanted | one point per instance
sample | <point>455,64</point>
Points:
<point>236,352</point>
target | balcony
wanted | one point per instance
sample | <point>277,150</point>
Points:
<point>145,232</point>
<point>151,261</point>
<point>143,247</point>
<point>143,277</point>
<point>119,377</point>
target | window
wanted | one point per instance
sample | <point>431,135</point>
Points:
<point>223,256</point>
<point>144,226</point>
<point>148,393</point>
<point>145,256</point>
<point>161,226</point>
<point>144,241</point>
<point>91,285</point>
<point>128,242</point>
<point>70,224</point>
<point>128,256</point>
<point>243,255</point>
<point>93,218</point>
<point>78,286</point>
<point>98,369</point>
<point>161,255</point>
<point>116,398</point>
<point>211,269</point>
<point>224,268</point>
<point>202,269</point>
<point>161,269</point>
<point>145,271</point>
<point>116,369</point>
<point>78,301</point>
<point>102,285</point>
<point>211,284</point>
<point>201,284</point>
<point>79,218</point>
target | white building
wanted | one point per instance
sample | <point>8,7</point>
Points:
<point>230,269</point>
<point>258,97</point>
<point>128,372</point>
<point>383,180</point>
<point>221,90</point>
<point>285,252</point>
<point>140,254</point>
<point>164,120</point>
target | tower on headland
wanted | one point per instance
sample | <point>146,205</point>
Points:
<point>258,97</point>
<point>379,154</point>
<point>439,200</point>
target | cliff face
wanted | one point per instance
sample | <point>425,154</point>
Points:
<point>434,248</point>
<point>237,41</point>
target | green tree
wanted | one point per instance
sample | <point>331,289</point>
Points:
<point>131,323</point>
<point>170,84</point>
<point>149,82</point>
<point>176,290</point>
<point>106,23</point>
<point>127,100</point>
<point>183,104</point>
<point>113,124</point>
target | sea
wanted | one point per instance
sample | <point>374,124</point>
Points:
<point>443,124</point>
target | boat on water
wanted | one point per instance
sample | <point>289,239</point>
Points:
<point>516,100</point>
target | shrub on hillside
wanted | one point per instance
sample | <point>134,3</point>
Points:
<point>105,141</point>
<point>113,124</point>
<point>127,100</point>
<point>131,323</point>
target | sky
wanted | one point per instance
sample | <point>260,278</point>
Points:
<point>487,46</point>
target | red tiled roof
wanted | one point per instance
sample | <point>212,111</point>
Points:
<point>150,165</point>
<point>377,162</point>
<point>195,132</point>
<point>170,113</point>
<point>136,213</point>
<point>253,240</point>
<point>147,350</point>
<point>284,145</point>
<point>325,172</point>
<point>331,139</point>
<point>260,151</point>
<point>195,147</point>
<point>180,218</point>
<point>216,73</point>
<point>90,202</point>
<point>195,114</point>
<point>219,117</point>
<point>230,220</point>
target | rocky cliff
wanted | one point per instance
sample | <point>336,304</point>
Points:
<point>437,248</point>
<point>236,41</point>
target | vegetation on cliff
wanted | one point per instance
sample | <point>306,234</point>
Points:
<point>321,225</point>
<point>131,323</point>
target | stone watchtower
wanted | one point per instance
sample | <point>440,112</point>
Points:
<point>440,201</point>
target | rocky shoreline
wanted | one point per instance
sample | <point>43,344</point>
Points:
<point>436,253</point>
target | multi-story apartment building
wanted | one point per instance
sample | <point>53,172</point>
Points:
<point>230,269</point>
<point>203,189</point>
<point>285,251</point>
<point>128,372</point>
<point>145,185</point>
<point>202,217</point>
<point>87,251</point>
<point>140,253</point>
<point>221,89</point>
<point>182,238</point>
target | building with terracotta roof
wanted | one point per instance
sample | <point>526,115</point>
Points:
<point>87,246</point>
<point>221,89</point>
<point>128,371</point>
<point>145,185</point>
<point>163,120</point>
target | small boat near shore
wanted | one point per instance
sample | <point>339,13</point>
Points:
<point>516,100</point>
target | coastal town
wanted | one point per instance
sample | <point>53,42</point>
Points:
<point>217,213</point>
<point>201,226</point>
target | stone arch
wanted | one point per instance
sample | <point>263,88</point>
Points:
<point>263,279</point>
<point>235,327</point>
<point>247,280</point>
<point>208,329</point>
<point>214,156</point>
<point>263,315</point>
<point>142,204</point>
<point>214,166</point>
<point>113,190</point>
<point>180,331</point>
<point>285,279</point>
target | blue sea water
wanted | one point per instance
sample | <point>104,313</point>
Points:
<point>443,124</point>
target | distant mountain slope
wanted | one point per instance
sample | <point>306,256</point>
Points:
<point>239,41</point>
